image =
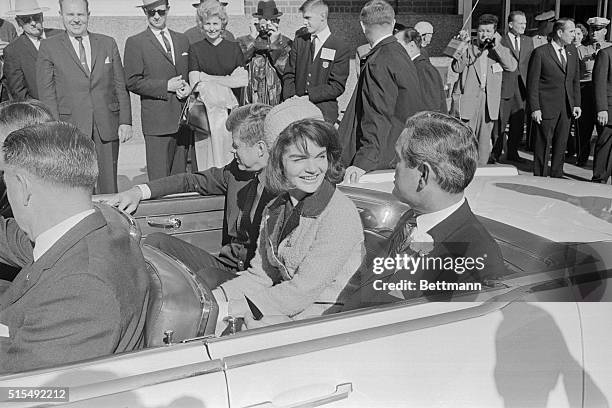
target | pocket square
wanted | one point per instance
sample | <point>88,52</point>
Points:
<point>185,54</point>
<point>107,60</point>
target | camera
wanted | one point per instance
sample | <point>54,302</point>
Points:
<point>488,43</point>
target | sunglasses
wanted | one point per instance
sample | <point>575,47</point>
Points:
<point>32,17</point>
<point>151,13</point>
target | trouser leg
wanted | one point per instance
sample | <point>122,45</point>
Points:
<point>542,145</point>
<point>107,153</point>
<point>602,159</point>
<point>159,150</point>
<point>559,144</point>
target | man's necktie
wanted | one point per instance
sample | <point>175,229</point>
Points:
<point>249,202</point>
<point>313,48</point>
<point>562,58</point>
<point>83,55</point>
<point>401,237</point>
<point>516,45</point>
<point>167,45</point>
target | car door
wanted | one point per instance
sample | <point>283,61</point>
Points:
<point>180,375</point>
<point>511,351</point>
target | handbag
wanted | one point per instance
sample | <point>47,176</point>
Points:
<point>194,114</point>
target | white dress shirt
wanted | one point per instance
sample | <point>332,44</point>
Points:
<point>86,44</point>
<point>320,40</point>
<point>559,49</point>
<point>36,41</point>
<point>47,239</point>
<point>425,222</point>
<point>515,40</point>
<point>166,32</point>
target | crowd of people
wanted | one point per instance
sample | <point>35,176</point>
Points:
<point>83,290</point>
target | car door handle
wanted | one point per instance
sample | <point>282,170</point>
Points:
<point>342,392</point>
<point>169,223</point>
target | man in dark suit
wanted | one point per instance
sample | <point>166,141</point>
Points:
<point>81,79</point>
<point>196,33</point>
<point>387,93</point>
<point>83,288</point>
<point>553,92</point>
<point>156,69</point>
<point>602,86</point>
<point>20,55</point>
<point>318,63</point>
<point>514,88</point>
<point>430,81</point>
<point>439,231</point>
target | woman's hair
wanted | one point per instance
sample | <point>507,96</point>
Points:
<point>210,9</point>
<point>584,30</point>
<point>321,133</point>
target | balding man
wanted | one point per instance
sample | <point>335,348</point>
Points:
<point>83,288</point>
<point>427,31</point>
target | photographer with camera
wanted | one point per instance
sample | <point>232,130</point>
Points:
<point>266,52</point>
<point>476,95</point>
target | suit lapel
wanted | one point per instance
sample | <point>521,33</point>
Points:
<point>73,53</point>
<point>555,56</point>
<point>97,51</point>
<point>159,47</point>
<point>177,51</point>
<point>474,53</point>
<point>31,273</point>
<point>510,45</point>
<point>29,47</point>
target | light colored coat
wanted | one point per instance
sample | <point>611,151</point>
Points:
<point>468,88</point>
<point>305,275</point>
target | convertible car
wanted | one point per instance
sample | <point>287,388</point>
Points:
<point>538,337</point>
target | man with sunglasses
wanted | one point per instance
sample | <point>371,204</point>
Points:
<point>20,55</point>
<point>80,78</point>
<point>156,68</point>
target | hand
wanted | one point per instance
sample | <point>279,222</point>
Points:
<point>253,31</point>
<point>184,91</point>
<point>274,33</point>
<point>251,323</point>
<point>497,37</point>
<point>602,118</point>
<point>125,201</point>
<point>125,133</point>
<point>353,174</point>
<point>176,83</point>
<point>464,35</point>
<point>537,116</point>
<point>577,112</point>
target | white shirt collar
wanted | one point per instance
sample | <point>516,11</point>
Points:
<point>425,222</point>
<point>47,239</point>
<point>158,32</point>
<point>323,35</point>
<point>380,39</point>
<point>556,46</point>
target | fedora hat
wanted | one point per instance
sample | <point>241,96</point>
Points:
<point>223,3</point>
<point>26,8</point>
<point>267,10</point>
<point>152,3</point>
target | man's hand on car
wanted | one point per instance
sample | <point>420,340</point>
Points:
<point>125,201</point>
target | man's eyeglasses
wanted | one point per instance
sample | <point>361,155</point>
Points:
<point>151,13</point>
<point>38,18</point>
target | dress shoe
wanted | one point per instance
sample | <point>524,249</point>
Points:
<point>491,160</point>
<point>516,159</point>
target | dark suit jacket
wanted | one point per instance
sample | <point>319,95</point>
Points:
<point>387,93</point>
<point>602,82</point>
<point>432,89</point>
<point>323,80</point>
<point>75,97</point>
<point>85,297</point>
<point>460,236</point>
<point>230,181</point>
<point>20,66</point>
<point>148,69</point>
<point>511,80</point>
<point>550,88</point>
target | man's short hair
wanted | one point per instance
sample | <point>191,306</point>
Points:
<point>487,19</point>
<point>84,1</point>
<point>310,4</point>
<point>377,12</point>
<point>317,131</point>
<point>515,13</point>
<point>560,25</point>
<point>445,143</point>
<point>55,152</point>
<point>412,35</point>
<point>248,122</point>
<point>15,115</point>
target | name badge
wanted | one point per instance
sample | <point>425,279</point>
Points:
<point>496,68</point>
<point>327,54</point>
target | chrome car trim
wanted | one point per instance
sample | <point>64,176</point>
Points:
<point>169,223</point>
<point>134,382</point>
<point>494,304</point>
<point>342,392</point>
